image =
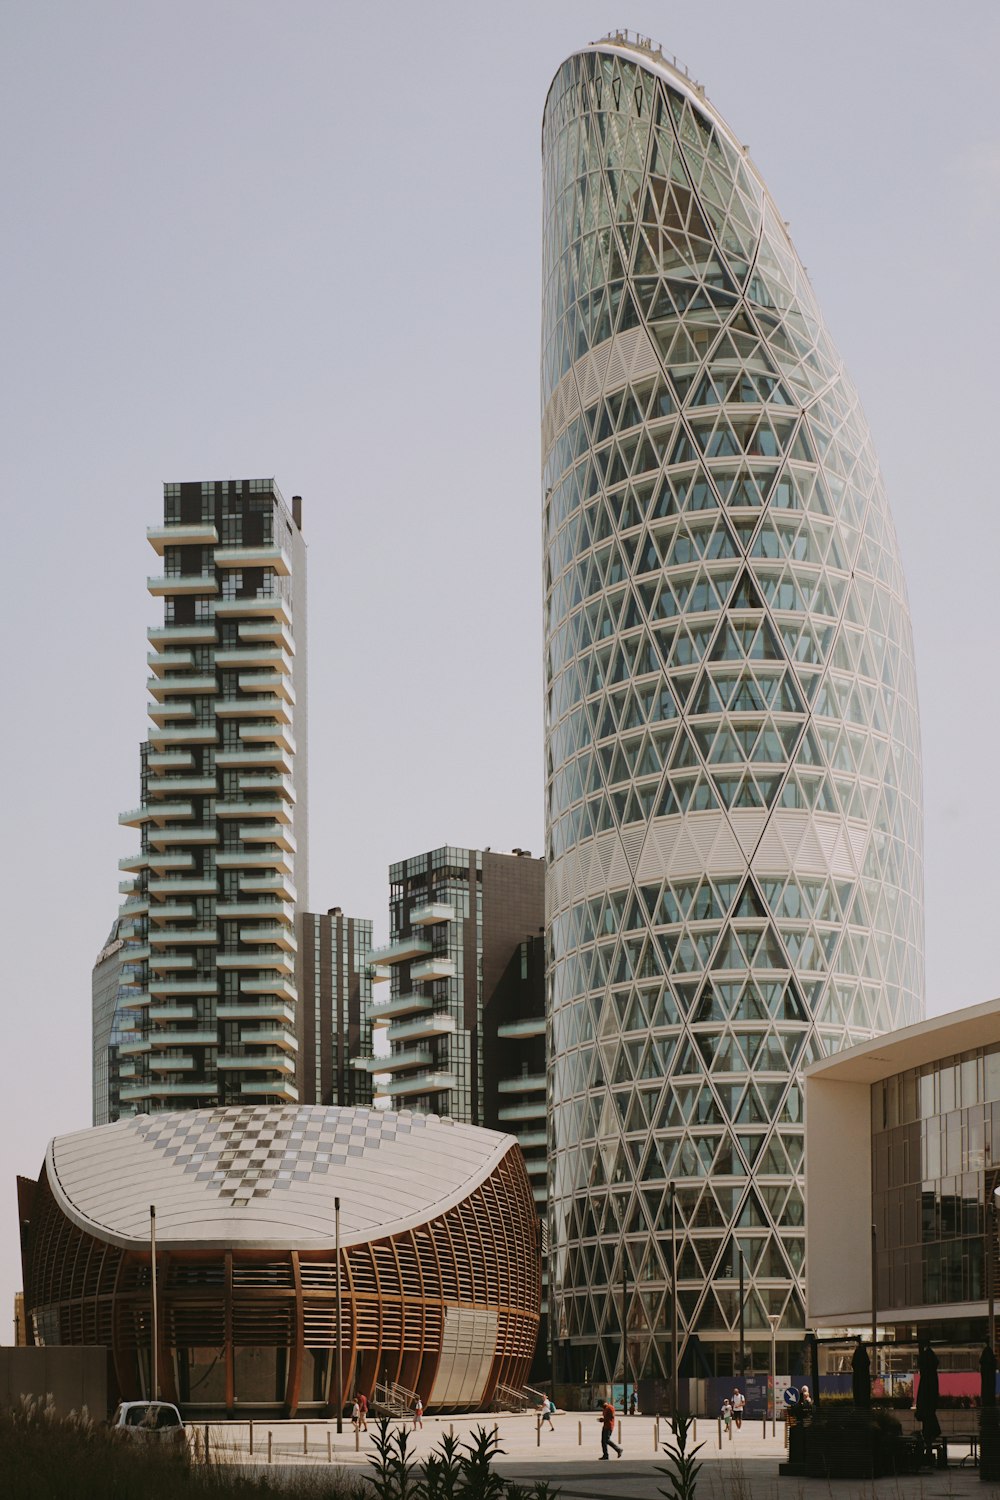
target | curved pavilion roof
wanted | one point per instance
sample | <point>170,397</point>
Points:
<point>265,1176</point>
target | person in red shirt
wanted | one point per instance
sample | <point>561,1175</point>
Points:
<point>608,1430</point>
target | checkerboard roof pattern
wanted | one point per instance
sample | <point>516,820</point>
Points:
<point>268,1174</point>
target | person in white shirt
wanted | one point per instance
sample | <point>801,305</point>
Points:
<point>739,1402</point>
<point>546,1410</point>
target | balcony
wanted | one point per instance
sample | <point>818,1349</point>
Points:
<point>197,885</point>
<point>404,1060</point>
<point>190,1090</point>
<point>201,634</point>
<point>275,558</point>
<point>171,936</point>
<point>400,951</point>
<point>165,962</point>
<point>429,969</point>
<point>270,833</point>
<point>166,810</point>
<point>184,734</point>
<point>134,818</point>
<point>530,1139</point>
<point>536,1166</point>
<point>254,859</point>
<point>273,807</point>
<point>169,661</point>
<point>533,1110</point>
<point>267,604</point>
<point>133,1049</point>
<point>189,834</point>
<point>162,1015</point>
<point>263,1010</point>
<point>183,583</point>
<point>255,959</point>
<point>403,1005</point>
<point>242,658</point>
<point>280,1088</point>
<point>160,861</point>
<point>275,1038</point>
<point>420,1083</point>
<point>277,732</point>
<point>275,631</point>
<point>279,789</point>
<point>199,1038</point>
<point>279,911</point>
<point>182,786</point>
<point>377,975</point>
<point>526,1083</point>
<point>436,1024</point>
<point>273,757</point>
<point>133,863</point>
<point>279,936</point>
<point>169,911</point>
<point>191,535</point>
<point>278,885</point>
<point>284,989</point>
<point>430,913</point>
<point>181,1063</point>
<point>170,760</point>
<point>238,1062</point>
<point>203,986</point>
<point>268,682</point>
<point>254,706</point>
<point>159,713</point>
<point>165,687</point>
<point>532,1026</point>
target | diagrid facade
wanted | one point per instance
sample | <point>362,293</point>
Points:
<point>733,778</point>
<point>210,910</point>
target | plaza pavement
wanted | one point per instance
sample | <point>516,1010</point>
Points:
<point>744,1468</point>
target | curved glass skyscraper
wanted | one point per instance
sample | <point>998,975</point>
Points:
<point>733,776</point>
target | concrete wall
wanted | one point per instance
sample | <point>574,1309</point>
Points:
<point>838,1202</point>
<point>75,1377</point>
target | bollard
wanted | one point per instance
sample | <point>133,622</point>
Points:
<point>269,1447</point>
<point>619,1432</point>
<point>357,1438</point>
<point>696,1429</point>
<point>730,1429</point>
<point>451,1429</point>
<point>720,1434</point>
<point>251,1437</point>
<point>763,1426</point>
<point>207,1454</point>
<point>538,1432</point>
<point>329,1448</point>
<point>656,1436</point>
<point>579,1434</point>
<point>495,1432</point>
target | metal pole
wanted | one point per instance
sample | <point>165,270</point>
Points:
<point>340,1363</point>
<point>774,1377</point>
<point>154,1360</point>
<point>743,1357</point>
<point>991,1239</point>
<point>674,1352</point>
<point>624,1330</point>
<point>874,1316</point>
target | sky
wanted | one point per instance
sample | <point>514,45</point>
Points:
<point>302,240</point>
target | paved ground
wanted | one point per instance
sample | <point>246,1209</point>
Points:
<point>744,1468</point>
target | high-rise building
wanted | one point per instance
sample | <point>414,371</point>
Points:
<point>222,864</point>
<point>335,991</point>
<point>110,995</point>
<point>733,774</point>
<point>462,1032</point>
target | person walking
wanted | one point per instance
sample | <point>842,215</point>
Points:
<point>418,1414</point>
<point>363,1411</point>
<point>356,1415</point>
<point>545,1413</point>
<point>739,1402</point>
<point>633,1406</point>
<point>727,1414</point>
<point>607,1421</point>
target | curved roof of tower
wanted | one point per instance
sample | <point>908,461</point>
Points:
<point>266,1176</point>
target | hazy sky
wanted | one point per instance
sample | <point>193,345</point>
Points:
<point>302,239</point>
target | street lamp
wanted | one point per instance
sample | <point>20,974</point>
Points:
<point>774,1319</point>
<point>990,1252</point>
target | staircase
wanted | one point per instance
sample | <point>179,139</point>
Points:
<point>508,1398</point>
<point>392,1400</point>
